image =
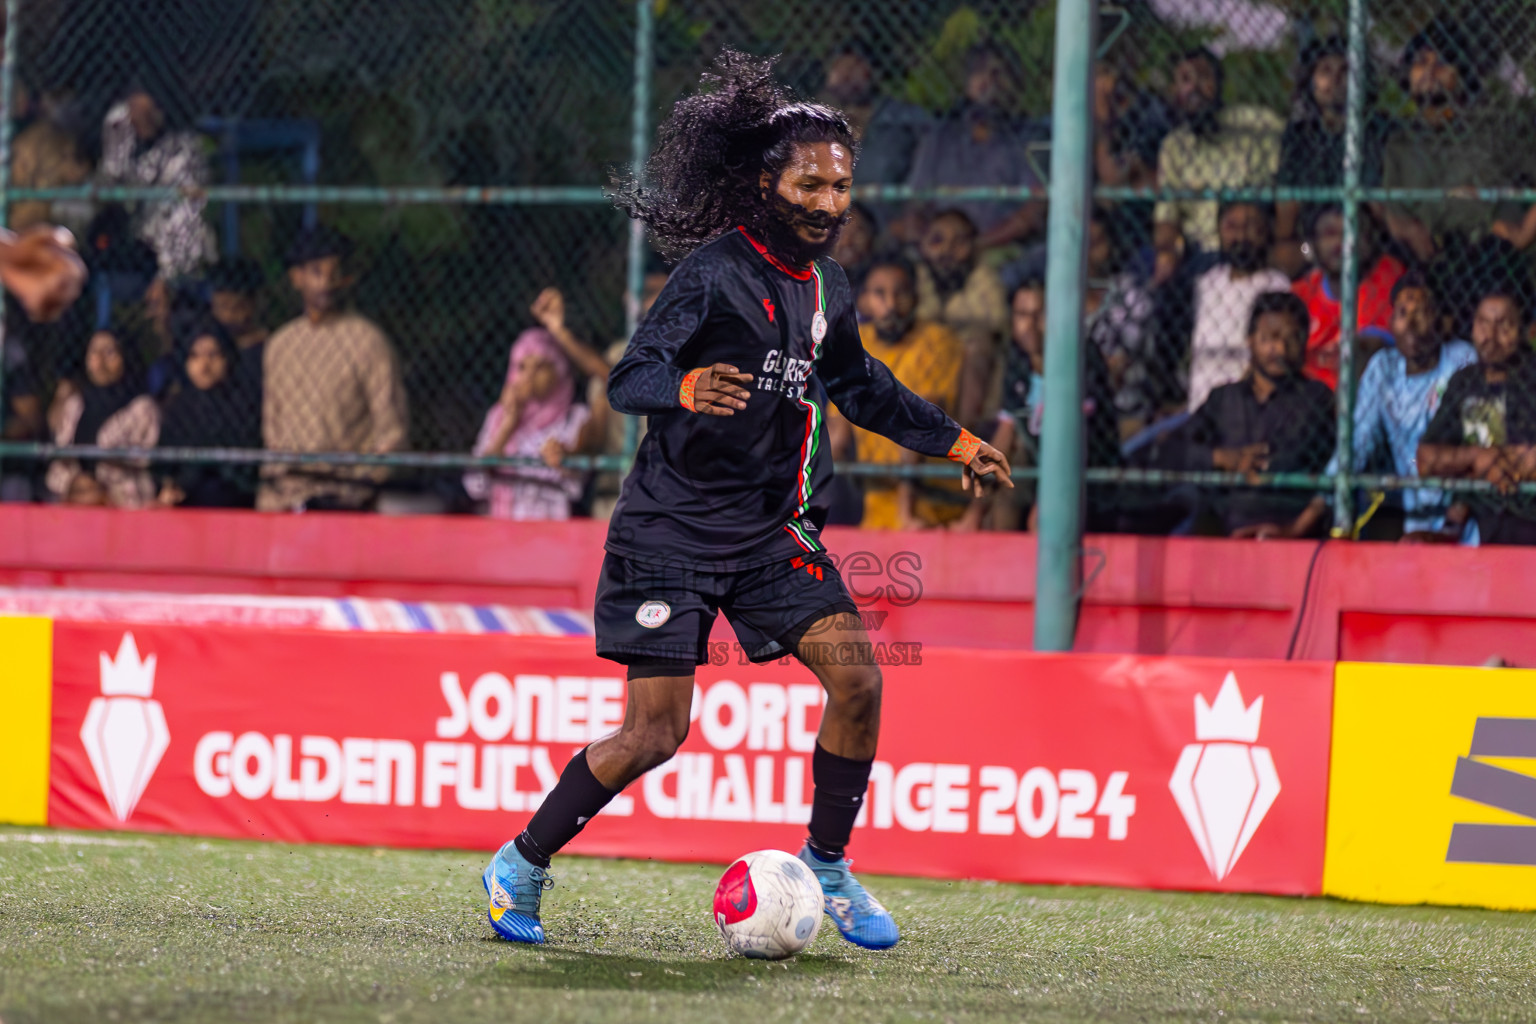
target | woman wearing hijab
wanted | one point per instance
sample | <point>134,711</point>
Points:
<point>214,408</point>
<point>110,410</point>
<point>537,416</point>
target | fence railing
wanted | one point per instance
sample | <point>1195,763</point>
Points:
<point>467,199</point>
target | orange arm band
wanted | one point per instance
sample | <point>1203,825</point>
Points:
<point>965,447</point>
<point>685,393</point>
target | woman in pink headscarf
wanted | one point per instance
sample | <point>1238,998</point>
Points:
<point>537,416</point>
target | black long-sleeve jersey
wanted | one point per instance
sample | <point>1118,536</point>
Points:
<point>727,493</point>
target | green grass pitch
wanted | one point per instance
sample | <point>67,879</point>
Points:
<point>109,928</point>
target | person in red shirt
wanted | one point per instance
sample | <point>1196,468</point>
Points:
<point>1319,288</point>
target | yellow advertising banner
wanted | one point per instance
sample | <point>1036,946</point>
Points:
<point>26,709</point>
<point>1432,795</point>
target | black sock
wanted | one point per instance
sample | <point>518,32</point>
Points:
<point>840,785</point>
<point>574,801</point>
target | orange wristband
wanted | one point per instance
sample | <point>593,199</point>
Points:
<point>685,393</point>
<point>965,447</point>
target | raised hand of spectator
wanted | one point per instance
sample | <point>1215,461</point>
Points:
<point>171,495</point>
<point>549,310</point>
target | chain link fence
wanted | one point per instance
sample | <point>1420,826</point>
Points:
<point>229,167</point>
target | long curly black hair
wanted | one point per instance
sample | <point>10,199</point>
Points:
<point>702,178</point>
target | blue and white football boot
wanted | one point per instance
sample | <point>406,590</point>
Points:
<point>515,886</point>
<point>860,917</point>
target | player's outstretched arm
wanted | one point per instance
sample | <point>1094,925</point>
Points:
<point>40,267</point>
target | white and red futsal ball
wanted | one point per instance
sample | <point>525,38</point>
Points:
<point>768,905</point>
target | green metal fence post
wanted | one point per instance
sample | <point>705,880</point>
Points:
<point>1060,491</point>
<point>1343,488</point>
<point>645,33</point>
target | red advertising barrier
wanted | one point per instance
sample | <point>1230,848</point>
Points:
<point>1188,774</point>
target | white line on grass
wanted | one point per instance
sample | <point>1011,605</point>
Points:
<point>68,840</point>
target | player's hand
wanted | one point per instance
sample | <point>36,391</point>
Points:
<point>721,390</point>
<point>987,470</point>
<point>41,269</point>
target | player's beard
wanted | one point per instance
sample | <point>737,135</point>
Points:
<point>777,223</point>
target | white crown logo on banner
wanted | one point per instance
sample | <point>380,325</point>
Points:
<point>1225,784</point>
<point>125,734</point>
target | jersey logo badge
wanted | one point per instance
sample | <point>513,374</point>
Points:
<point>818,327</point>
<point>653,613</point>
<point>768,305</point>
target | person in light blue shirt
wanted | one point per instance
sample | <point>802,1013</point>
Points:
<point>1398,394</point>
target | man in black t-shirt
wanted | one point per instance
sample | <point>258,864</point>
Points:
<point>1486,426</point>
<point>734,365</point>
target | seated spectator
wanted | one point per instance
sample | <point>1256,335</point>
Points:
<point>980,142</point>
<point>1214,146</point>
<point>856,245</point>
<point>925,356</point>
<point>21,411</point>
<point>141,146</point>
<point>331,384</point>
<point>1312,148</point>
<point>958,292</point>
<point>214,407</point>
<point>234,299</point>
<point>109,409</point>
<point>1399,393</point>
<point>1319,289</point>
<point>1273,420</point>
<point>1120,329</point>
<point>1017,433</point>
<point>537,417</point>
<point>1485,428</point>
<point>1225,293</point>
<point>887,128</point>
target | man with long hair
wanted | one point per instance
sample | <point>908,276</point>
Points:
<point>734,365</point>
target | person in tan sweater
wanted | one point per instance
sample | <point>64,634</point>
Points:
<point>332,384</point>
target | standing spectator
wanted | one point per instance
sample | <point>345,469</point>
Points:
<point>1129,125</point>
<point>46,154</point>
<point>1485,428</point>
<point>110,410</point>
<point>214,408</point>
<point>1312,148</point>
<point>537,417</point>
<point>1017,433</point>
<point>1273,420</point>
<point>981,142</point>
<point>958,292</point>
<point>1120,326</point>
<point>887,128</point>
<point>1452,141</point>
<point>1400,392</point>
<point>234,299</point>
<point>925,356</point>
<point>1214,146</point>
<point>139,146</point>
<point>1320,288</point>
<point>1225,294</point>
<point>331,384</point>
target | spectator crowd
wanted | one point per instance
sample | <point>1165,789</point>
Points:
<point>1211,326</point>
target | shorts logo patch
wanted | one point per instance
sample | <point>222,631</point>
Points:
<point>653,613</point>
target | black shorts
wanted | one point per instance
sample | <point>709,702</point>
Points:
<point>660,616</point>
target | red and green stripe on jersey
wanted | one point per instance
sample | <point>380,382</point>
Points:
<point>812,441</point>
